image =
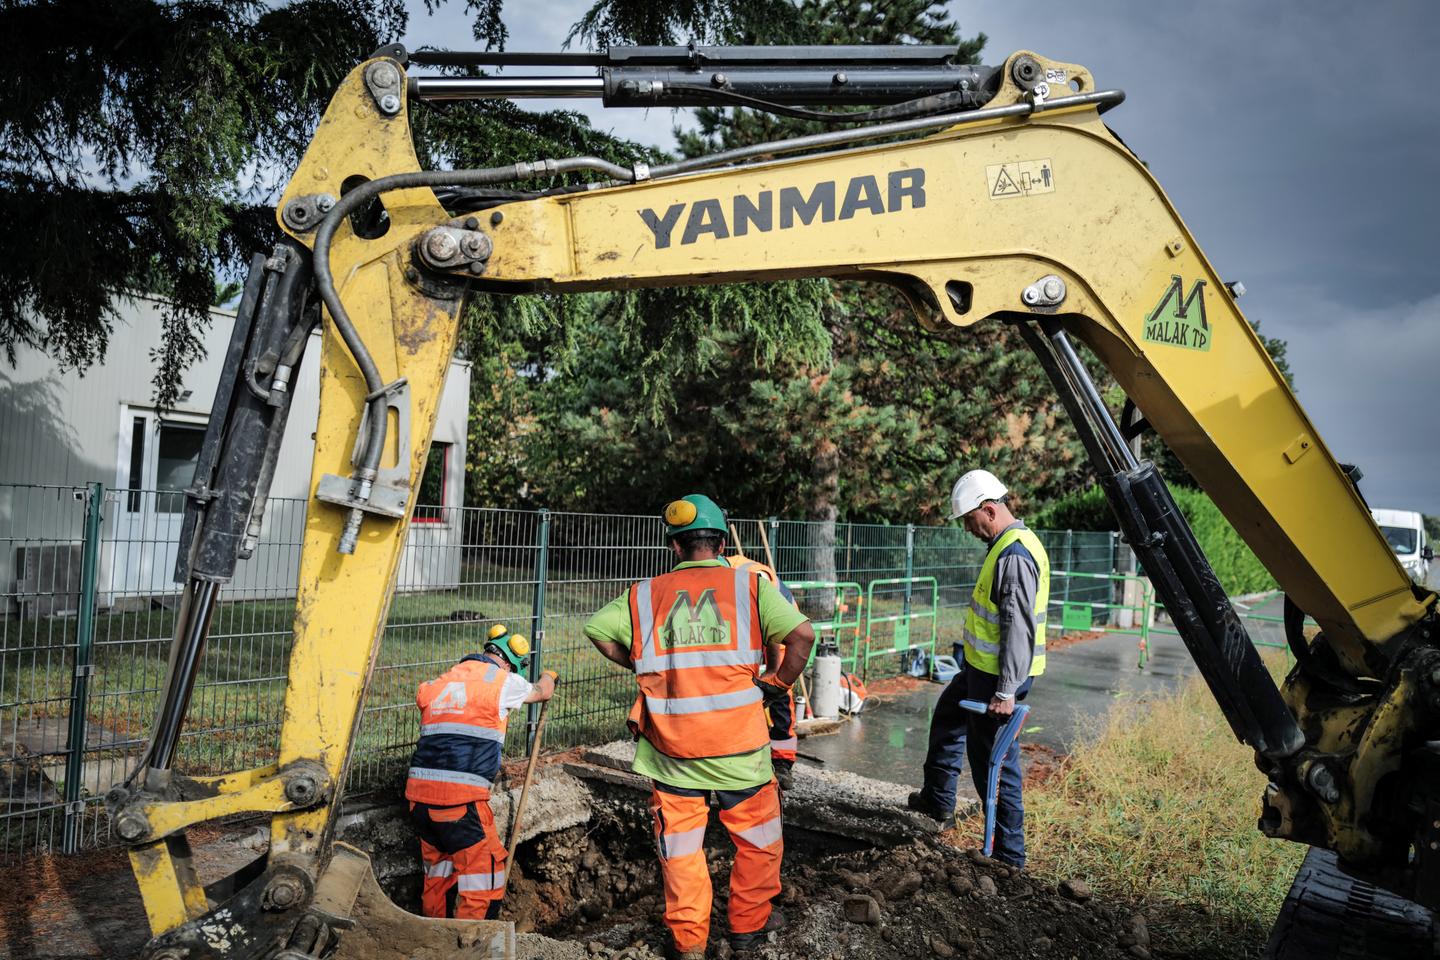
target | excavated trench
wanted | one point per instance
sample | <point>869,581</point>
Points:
<point>862,878</point>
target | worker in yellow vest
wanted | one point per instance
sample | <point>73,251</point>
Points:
<point>1004,651</point>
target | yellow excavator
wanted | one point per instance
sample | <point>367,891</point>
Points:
<point>986,195</point>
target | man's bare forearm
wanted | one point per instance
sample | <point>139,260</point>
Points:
<point>614,652</point>
<point>797,653</point>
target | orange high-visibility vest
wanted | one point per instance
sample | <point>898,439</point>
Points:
<point>697,645</point>
<point>462,731</point>
<point>745,563</point>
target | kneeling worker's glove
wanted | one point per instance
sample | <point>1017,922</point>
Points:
<point>773,690</point>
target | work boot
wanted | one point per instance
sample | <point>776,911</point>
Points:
<point>673,952</point>
<point>920,803</point>
<point>745,944</point>
<point>784,773</point>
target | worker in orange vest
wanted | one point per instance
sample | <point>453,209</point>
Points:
<point>695,638</point>
<point>783,741</point>
<point>463,713</point>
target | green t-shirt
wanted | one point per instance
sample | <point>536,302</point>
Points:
<point>778,617</point>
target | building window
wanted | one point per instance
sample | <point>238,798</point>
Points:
<point>434,494</point>
<point>162,457</point>
<point>135,479</point>
<point>177,454</point>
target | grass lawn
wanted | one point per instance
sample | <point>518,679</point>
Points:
<point>1161,809</point>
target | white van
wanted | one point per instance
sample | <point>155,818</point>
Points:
<point>1405,529</point>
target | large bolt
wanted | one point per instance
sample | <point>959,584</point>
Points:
<point>301,790</point>
<point>282,892</point>
<point>132,825</point>
<point>441,246</point>
<point>170,953</point>
<point>476,246</point>
<point>384,75</point>
<point>1025,71</point>
<point>1435,676</point>
<point>1054,289</point>
<point>1322,782</point>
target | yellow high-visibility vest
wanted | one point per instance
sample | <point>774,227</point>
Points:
<point>982,620</point>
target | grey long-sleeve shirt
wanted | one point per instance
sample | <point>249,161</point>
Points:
<point>1017,579</point>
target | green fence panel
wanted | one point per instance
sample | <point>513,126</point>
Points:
<point>903,620</point>
<point>81,667</point>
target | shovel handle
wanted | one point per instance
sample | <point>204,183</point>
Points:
<point>524,794</point>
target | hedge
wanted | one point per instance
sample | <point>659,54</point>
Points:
<point>1239,570</point>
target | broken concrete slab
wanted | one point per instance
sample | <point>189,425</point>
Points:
<point>96,776</point>
<point>557,800</point>
<point>49,736</point>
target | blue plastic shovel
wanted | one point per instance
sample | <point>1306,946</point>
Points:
<point>1003,739</point>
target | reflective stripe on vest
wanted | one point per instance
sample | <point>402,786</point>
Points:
<point>697,650</point>
<point>981,634</point>
<point>433,775</point>
<point>462,730</point>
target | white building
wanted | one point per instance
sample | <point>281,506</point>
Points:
<point>61,430</point>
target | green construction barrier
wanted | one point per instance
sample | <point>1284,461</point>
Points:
<point>904,620</point>
<point>847,601</point>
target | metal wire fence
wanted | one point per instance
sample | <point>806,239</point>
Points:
<point>87,607</point>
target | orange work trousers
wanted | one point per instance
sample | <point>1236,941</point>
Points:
<point>752,816</point>
<point>460,851</point>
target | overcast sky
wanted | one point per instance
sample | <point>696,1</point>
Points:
<point>1297,140</point>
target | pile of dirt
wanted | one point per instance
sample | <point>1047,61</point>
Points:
<point>922,899</point>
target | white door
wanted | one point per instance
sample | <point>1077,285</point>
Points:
<point>157,458</point>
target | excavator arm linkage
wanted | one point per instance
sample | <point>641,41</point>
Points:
<point>1018,207</point>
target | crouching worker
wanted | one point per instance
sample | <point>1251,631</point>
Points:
<point>696,638</point>
<point>462,729</point>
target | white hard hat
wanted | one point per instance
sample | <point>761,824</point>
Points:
<point>973,489</point>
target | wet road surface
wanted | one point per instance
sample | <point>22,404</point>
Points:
<point>1068,703</point>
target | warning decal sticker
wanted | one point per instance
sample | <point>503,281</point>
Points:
<point>1020,179</point>
<point>1178,320</point>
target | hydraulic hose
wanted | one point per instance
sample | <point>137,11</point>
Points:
<point>374,443</point>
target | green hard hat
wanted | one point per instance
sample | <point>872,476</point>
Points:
<point>693,512</point>
<point>512,646</point>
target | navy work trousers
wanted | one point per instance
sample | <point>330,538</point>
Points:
<point>954,732</point>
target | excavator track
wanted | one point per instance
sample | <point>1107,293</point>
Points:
<point>1330,915</point>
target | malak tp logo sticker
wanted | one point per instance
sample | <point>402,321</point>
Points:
<point>1178,320</point>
